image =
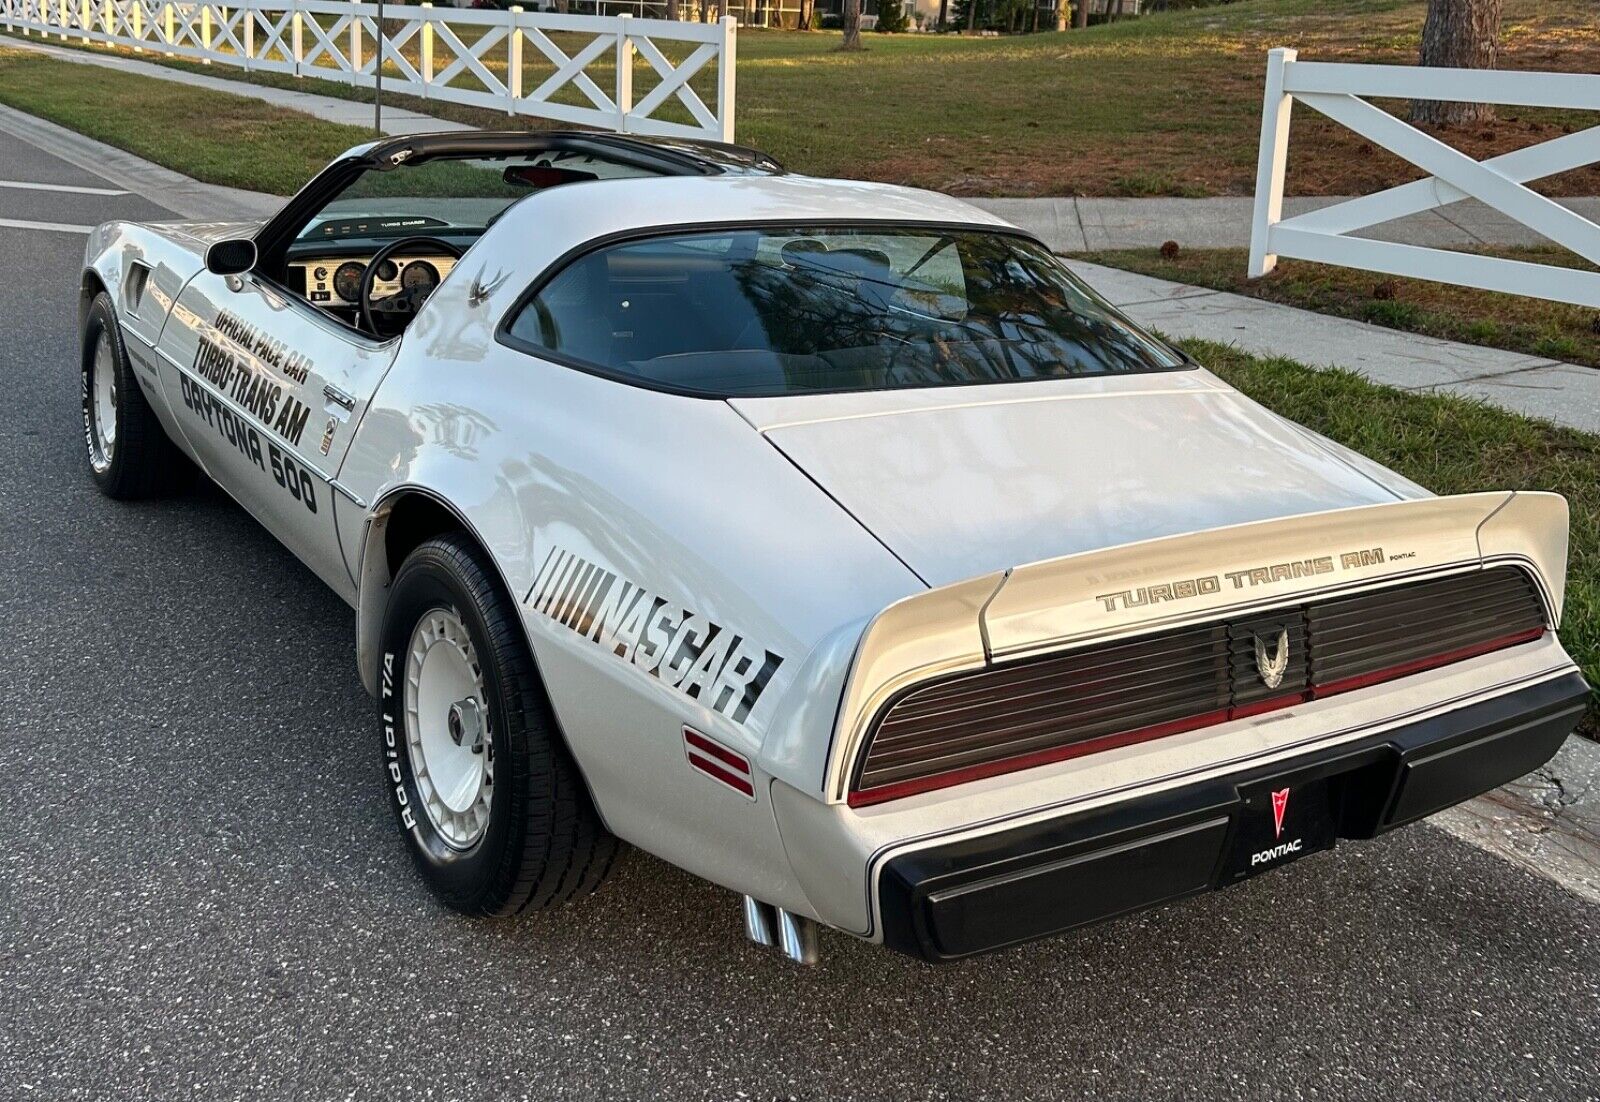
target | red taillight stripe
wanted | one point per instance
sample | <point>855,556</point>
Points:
<point>1433,661</point>
<point>917,785</point>
<point>721,753</point>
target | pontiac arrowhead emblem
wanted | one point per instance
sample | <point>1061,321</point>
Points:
<point>1272,667</point>
<point>1280,804</point>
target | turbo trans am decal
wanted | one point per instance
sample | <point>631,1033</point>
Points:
<point>704,660</point>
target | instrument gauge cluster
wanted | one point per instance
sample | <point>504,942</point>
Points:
<point>336,281</point>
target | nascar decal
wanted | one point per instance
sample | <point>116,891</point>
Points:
<point>703,660</point>
<point>237,359</point>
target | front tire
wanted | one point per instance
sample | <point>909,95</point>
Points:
<point>493,809</point>
<point>130,455</point>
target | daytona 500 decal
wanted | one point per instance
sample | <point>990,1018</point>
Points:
<point>701,659</point>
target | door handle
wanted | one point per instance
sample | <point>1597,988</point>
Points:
<point>339,397</point>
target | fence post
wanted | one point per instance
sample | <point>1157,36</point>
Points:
<point>136,13</point>
<point>624,73</point>
<point>205,30</point>
<point>514,59</point>
<point>248,41</point>
<point>355,48</point>
<point>61,13</point>
<point>108,16</point>
<point>727,63</point>
<point>299,41</point>
<point>1276,107</point>
<point>85,18</point>
<point>426,48</point>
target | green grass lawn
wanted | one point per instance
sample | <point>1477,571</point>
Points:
<point>1535,326</point>
<point>1169,104</point>
<point>220,139</point>
<point>1452,446</point>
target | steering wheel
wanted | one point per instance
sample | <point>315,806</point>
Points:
<point>389,315</point>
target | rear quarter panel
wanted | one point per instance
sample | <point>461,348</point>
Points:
<point>676,496</point>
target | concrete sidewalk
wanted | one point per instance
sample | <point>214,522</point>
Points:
<point>1564,393</point>
<point>1081,225</point>
<point>1067,225</point>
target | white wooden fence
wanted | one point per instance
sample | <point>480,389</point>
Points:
<point>474,57</point>
<point>1500,182</point>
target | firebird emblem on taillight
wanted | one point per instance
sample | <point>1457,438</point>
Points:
<point>1273,666</point>
<point>1280,804</point>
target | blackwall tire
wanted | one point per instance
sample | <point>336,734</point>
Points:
<point>129,453</point>
<point>492,807</point>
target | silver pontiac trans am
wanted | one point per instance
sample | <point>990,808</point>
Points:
<point>826,539</point>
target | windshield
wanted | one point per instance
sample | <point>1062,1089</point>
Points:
<point>800,310</point>
<point>448,194</point>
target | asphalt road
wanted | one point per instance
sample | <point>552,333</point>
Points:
<point>202,894</point>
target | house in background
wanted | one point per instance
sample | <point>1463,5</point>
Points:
<point>923,14</point>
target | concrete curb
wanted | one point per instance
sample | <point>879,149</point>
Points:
<point>1548,822</point>
<point>180,194</point>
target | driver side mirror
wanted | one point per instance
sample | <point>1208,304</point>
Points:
<point>231,258</point>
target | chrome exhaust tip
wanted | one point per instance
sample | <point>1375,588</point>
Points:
<point>795,936</point>
<point>760,922</point>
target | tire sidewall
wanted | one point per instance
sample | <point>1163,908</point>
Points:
<point>102,319</point>
<point>426,583</point>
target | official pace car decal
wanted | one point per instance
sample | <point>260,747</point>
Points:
<point>234,356</point>
<point>1184,589</point>
<point>704,660</point>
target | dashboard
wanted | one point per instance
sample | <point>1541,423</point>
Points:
<point>335,281</point>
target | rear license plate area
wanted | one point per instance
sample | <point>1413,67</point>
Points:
<point>1282,821</point>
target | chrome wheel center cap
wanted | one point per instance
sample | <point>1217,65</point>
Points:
<point>465,723</point>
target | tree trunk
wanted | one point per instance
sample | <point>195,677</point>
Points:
<point>1080,14</point>
<point>944,13</point>
<point>852,25</point>
<point>674,12</point>
<point>1458,34</point>
<point>972,14</point>
<point>806,9</point>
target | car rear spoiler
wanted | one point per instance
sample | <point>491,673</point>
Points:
<point>1057,604</point>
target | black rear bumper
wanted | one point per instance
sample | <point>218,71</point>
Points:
<point>973,896</point>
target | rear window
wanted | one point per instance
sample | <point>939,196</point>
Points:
<point>790,311</point>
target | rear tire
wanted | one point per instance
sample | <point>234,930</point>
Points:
<point>130,455</point>
<point>494,811</point>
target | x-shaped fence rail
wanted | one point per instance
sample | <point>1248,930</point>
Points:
<point>1500,182</point>
<point>471,56</point>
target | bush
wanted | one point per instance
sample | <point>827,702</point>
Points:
<point>891,17</point>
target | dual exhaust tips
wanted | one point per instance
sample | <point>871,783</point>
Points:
<point>791,934</point>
